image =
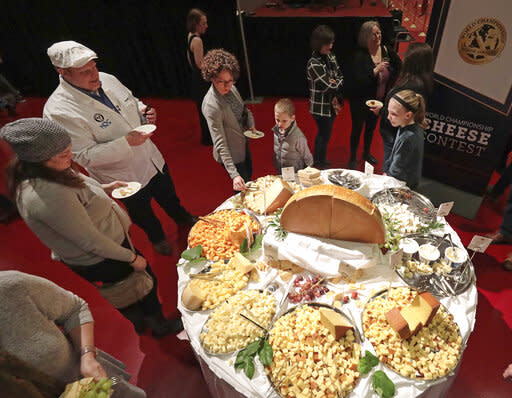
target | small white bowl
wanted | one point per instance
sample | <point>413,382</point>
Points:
<point>145,128</point>
<point>409,247</point>
<point>455,256</point>
<point>429,254</point>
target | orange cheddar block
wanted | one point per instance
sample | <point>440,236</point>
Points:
<point>398,323</point>
<point>334,322</point>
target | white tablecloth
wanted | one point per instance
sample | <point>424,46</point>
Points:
<point>378,276</point>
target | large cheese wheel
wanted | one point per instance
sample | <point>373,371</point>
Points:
<point>330,211</point>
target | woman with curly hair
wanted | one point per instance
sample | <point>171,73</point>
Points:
<point>227,116</point>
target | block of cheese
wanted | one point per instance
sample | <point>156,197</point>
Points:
<point>334,322</point>
<point>241,263</point>
<point>398,323</point>
<point>275,196</point>
<point>330,211</point>
<point>426,307</point>
<point>413,318</point>
<point>309,173</point>
<point>192,298</point>
<point>238,236</point>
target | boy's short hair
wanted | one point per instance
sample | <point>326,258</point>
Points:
<point>285,105</point>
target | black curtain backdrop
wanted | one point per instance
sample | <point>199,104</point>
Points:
<point>142,43</point>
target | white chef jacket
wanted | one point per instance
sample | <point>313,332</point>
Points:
<point>97,132</point>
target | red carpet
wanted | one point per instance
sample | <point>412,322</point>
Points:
<point>167,368</point>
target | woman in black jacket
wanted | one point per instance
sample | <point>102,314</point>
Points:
<point>416,75</point>
<point>374,70</point>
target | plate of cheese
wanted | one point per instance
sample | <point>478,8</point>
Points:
<point>124,192</point>
<point>254,134</point>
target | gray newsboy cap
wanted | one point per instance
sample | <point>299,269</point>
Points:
<point>35,139</point>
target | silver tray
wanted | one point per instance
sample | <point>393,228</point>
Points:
<point>205,329</point>
<point>418,377</point>
<point>443,285</point>
<point>418,204</point>
<point>336,175</point>
<point>312,304</point>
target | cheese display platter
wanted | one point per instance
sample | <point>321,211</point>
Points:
<point>405,212</point>
<point>222,233</point>
<point>316,349</point>
<point>412,333</point>
<point>266,194</point>
<point>434,264</point>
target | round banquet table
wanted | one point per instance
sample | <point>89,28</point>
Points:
<point>225,382</point>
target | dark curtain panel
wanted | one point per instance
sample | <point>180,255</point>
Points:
<point>142,43</point>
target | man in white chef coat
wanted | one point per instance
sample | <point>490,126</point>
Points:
<point>100,115</point>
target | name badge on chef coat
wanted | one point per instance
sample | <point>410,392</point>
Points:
<point>101,119</point>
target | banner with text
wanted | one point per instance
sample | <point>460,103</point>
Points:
<point>469,113</point>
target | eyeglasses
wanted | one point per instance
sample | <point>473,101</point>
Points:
<point>224,82</point>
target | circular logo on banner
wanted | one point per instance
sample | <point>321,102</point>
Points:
<point>99,117</point>
<point>482,41</point>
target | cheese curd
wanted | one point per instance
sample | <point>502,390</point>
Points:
<point>399,214</point>
<point>226,331</point>
<point>252,199</point>
<point>430,354</point>
<point>224,282</point>
<point>215,239</point>
<point>308,361</point>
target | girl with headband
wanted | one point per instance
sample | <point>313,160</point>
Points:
<point>406,110</point>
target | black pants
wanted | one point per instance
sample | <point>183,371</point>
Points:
<point>161,188</point>
<point>198,89</point>
<point>504,181</point>
<point>111,271</point>
<point>324,125</point>
<point>245,168</point>
<point>506,225</point>
<point>361,114</point>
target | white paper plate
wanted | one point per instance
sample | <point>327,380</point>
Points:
<point>372,103</point>
<point>145,128</point>
<point>123,192</point>
<point>254,134</point>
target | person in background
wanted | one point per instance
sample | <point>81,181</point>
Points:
<point>52,330</point>
<point>406,111</point>
<point>374,70</point>
<point>101,115</point>
<point>10,96</point>
<point>196,26</point>
<point>290,145</point>
<point>325,82</point>
<point>416,74</point>
<point>227,116</point>
<point>507,374</point>
<point>504,236</point>
<point>73,216</point>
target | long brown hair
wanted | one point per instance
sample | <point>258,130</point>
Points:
<point>18,171</point>
<point>193,18</point>
<point>417,67</point>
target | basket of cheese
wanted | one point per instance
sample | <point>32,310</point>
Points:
<point>221,233</point>
<point>316,352</point>
<point>412,333</point>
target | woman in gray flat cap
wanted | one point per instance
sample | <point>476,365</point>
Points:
<point>74,217</point>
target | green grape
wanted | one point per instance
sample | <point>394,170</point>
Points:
<point>90,394</point>
<point>106,386</point>
<point>102,394</point>
<point>100,382</point>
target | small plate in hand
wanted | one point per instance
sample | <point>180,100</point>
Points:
<point>145,128</point>
<point>254,134</point>
<point>371,103</point>
<point>123,192</point>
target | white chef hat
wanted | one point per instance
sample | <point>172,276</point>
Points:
<point>70,54</point>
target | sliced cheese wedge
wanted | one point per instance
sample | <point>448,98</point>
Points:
<point>426,307</point>
<point>413,319</point>
<point>192,298</point>
<point>241,264</point>
<point>398,323</point>
<point>275,196</point>
<point>334,212</point>
<point>334,322</point>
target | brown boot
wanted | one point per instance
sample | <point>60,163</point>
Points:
<point>498,238</point>
<point>163,247</point>
<point>507,264</point>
